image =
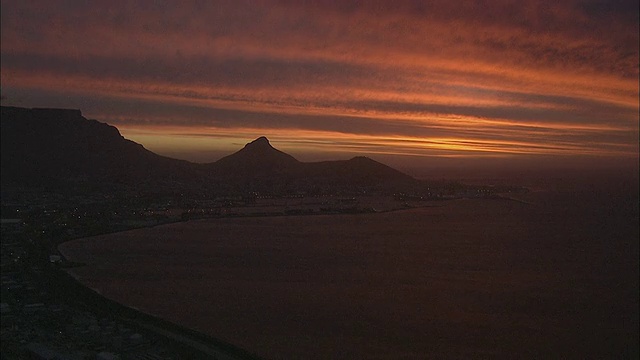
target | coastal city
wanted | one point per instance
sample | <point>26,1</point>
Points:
<point>47,314</point>
<point>347,179</point>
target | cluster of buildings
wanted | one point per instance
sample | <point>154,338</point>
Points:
<point>40,329</point>
<point>38,324</point>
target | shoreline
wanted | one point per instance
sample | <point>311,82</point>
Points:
<point>202,343</point>
<point>490,230</point>
<point>190,341</point>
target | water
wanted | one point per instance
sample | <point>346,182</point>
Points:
<point>468,279</point>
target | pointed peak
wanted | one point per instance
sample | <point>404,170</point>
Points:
<point>262,140</point>
<point>258,153</point>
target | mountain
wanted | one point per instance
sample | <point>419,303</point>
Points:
<point>61,148</point>
<point>257,158</point>
<point>262,168</point>
<point>50,146</point>
<point>359,170</point>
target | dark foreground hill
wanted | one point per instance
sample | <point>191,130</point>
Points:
<point>59,148</point>
<point>51,147</point>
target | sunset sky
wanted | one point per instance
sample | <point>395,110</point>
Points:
<point>406,82</point>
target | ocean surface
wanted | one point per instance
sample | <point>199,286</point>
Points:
<point>553,278</point>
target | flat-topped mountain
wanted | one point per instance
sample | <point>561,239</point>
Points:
<point>59,147</point>
<point>49,146</point>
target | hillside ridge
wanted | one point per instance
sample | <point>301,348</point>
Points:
<point>61,146</point>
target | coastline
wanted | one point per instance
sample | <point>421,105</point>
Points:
<point>192,342</point>
<point>200,342</point>
<point>332,272</point>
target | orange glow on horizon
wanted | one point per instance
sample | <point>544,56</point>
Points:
<point>452,80</point>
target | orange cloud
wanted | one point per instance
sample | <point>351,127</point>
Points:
<point>451,79</point>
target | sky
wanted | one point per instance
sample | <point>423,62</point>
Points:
<point>410,83</point>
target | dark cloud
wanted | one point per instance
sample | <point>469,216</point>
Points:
<point>617,10</point>
<point>251,72</point>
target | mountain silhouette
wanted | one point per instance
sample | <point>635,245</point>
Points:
<point>47,146</point>
<point>257,159</point>
<point>59,147</point>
